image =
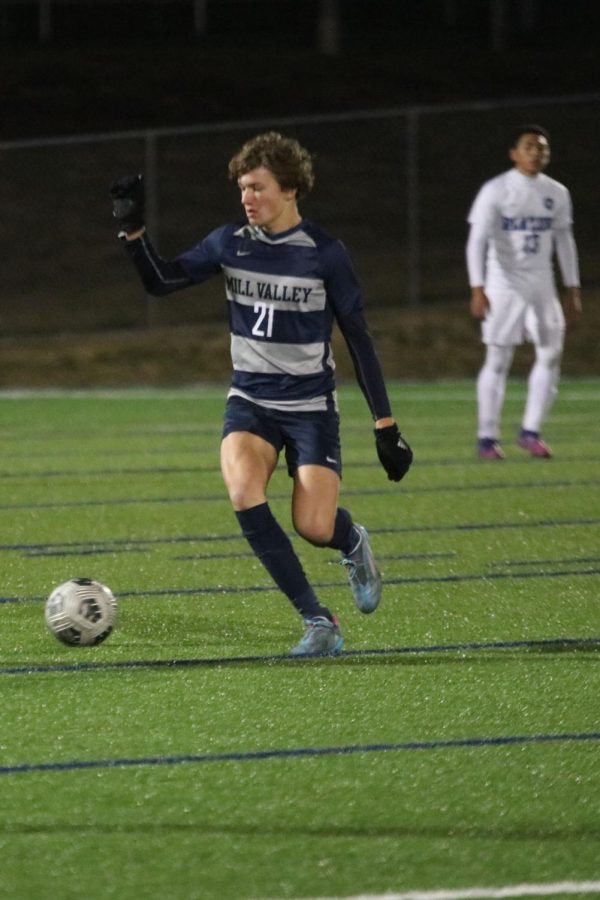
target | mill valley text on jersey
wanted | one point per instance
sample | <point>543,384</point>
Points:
<point>244,284</point>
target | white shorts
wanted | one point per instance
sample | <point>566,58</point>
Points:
<point>514,318</point>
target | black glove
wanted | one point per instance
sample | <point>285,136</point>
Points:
<point>394,453</point>
<point>128,199</point>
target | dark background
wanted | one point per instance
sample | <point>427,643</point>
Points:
<point>72,311</point>
<point>120,65</point>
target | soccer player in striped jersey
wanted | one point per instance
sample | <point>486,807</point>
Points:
<point>286,282</point>
<point>517,221</point>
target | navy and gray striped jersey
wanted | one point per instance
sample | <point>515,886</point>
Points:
<point>284,292</point>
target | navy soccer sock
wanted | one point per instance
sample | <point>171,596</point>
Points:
<point>274,549</point>
<point>344,534</point>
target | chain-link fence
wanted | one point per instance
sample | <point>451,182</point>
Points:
<point>395,185</point>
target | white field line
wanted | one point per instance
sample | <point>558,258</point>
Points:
<point>559,888</point>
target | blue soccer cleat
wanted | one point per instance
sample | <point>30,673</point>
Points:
<point>321,638</point>
<point>363,574</point>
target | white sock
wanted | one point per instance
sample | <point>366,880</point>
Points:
<point>542,388</point>
<point>491,387</point>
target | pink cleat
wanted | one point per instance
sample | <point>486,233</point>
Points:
<point>532,442</point>
<point>489,448</point>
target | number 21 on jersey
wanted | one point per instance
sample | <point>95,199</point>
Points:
<point>263,327</point>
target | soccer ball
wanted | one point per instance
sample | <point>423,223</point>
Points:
<point>81,612</point>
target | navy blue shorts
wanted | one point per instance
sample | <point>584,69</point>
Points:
<point>309,438</point>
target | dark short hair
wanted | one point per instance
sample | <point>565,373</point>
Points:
<point>290,163</point>
<point>528,129</point>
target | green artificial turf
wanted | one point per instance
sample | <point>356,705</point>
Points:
<point>455,742</point>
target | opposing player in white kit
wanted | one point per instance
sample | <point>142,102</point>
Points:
<point>517,221</point>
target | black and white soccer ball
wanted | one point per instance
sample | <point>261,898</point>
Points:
<point>81,612</point>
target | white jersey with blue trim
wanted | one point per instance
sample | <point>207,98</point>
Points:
<point>283,293</point>
<point>520,217</point>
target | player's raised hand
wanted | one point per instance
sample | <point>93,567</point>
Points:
<point>394,453</point>
<point>128,200</point>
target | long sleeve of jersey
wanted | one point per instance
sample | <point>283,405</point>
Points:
<point>345,296</point>
<point>480,218</point>
<point>566,251</point>
<point>159,276</point>
<point>476,251</point>
<point>366,364</point>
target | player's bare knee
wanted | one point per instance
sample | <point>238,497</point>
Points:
<point>315,530</point>
<point>243,495</point>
